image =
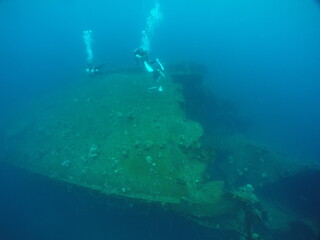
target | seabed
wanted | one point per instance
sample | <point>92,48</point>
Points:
<point>111,135</point>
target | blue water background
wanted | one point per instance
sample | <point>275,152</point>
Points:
<point>264,56</point>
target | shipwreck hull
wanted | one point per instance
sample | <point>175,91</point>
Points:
<point>115,135</point>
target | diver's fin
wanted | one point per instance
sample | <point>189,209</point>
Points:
<point>162,68</point>
<point>148,67</point>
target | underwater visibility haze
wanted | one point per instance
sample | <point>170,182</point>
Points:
<point>159,119</point>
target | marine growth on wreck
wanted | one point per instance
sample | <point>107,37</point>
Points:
<point>114,135</point>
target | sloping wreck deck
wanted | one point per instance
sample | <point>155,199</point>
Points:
<point>110,134</point>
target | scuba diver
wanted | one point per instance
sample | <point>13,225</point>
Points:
<point>154,66</point>
<point>93,70</point>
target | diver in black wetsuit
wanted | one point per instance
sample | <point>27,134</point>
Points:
<point>155,67</point>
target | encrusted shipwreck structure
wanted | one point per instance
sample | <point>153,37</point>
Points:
<point>111,134</point>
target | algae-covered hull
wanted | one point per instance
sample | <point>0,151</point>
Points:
<point>116,134</point>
